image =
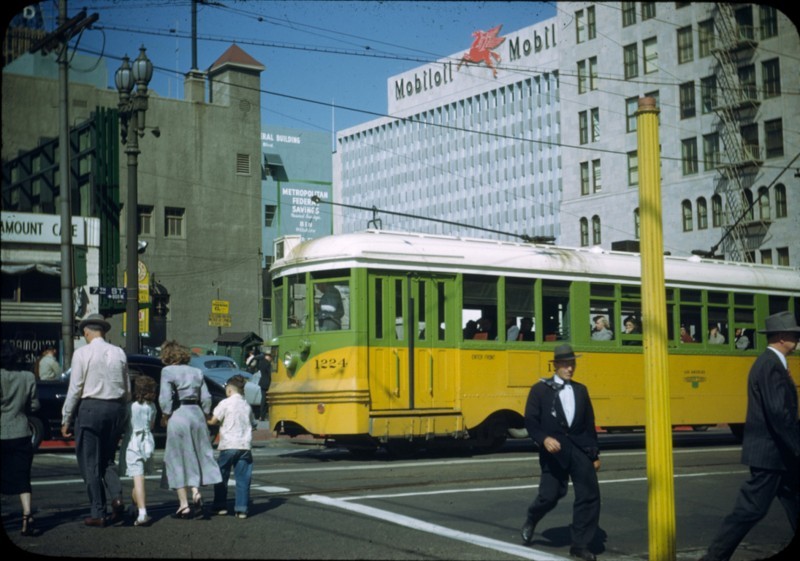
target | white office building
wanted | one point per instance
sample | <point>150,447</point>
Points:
<point>536,135</point>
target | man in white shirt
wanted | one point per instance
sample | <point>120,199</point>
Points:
<point>99,389</point>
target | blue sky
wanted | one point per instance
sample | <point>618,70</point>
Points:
<point>320,51</point>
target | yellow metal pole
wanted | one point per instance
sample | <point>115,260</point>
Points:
<point>658,429</point>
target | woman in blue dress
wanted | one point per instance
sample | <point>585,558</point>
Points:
<point>188,455</point>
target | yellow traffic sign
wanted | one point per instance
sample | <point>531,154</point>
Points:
<point>220,307</point>
<point>219,320</point>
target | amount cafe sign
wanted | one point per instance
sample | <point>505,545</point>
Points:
<point>488,49</point>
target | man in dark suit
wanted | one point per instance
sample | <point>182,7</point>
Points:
<point>771,445</point>
<point>560,419</point>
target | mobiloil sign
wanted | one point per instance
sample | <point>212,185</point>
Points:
<point>488,49</point>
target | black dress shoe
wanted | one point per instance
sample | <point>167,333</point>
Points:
<point>527,532</point>
<point>117,512</point>
<point>95,522</point>
<point>582,553</point>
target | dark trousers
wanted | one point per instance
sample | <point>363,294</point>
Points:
<point>752,504</point>
<point>553,487</point>
<point>98,426</point>
<point>263,409</point>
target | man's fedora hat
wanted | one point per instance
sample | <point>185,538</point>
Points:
<point>96,321</point>
<point>564,352</point>
<point>780,322</point>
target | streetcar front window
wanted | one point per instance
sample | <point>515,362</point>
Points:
<point>331,303</point>
<point>297,310</point>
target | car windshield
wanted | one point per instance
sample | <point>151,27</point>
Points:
<point>219,364</point>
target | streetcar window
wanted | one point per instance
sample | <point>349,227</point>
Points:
<point>601,312</point>
<point>555,310</point>
<point>297,309</point>
<point>441,301</point>
<point>332,304</point>
<point>421,311</point>
<point>630,316</point>
<point>783,304</point>
<point>480,300</point>
<point>718,329</point>
<point>520,312</point>
<point>398,309</point>
<point>277,312</point>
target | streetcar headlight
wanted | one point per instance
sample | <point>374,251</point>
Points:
<point>290,361</point>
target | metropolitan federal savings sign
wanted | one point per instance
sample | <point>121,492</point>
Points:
<point>23,227</point>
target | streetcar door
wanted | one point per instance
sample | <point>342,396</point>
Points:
<point>434,368</point>
<point>388,344</point>
<point>411,336</point>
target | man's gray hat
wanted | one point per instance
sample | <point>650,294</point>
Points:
<point>780,322</point>
<point>563,352</point>
<point>96,321</point>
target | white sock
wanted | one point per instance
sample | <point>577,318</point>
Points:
<point>142,513</point>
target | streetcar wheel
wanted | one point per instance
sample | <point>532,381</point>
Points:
<point>402,449</point>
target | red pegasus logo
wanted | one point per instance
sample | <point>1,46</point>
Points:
<point>482,49</point>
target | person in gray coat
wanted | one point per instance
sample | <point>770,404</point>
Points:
<point>771,445</point>
<point>17,398</point>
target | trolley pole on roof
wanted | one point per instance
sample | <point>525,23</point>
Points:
<point>658,424</point>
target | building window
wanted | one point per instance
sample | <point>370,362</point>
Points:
<point>269,215</point>
<point>769,21</point>
<point>631,107</point>
<point>628,13</point>
<point>650,55</point>
<point>702,214</point>
<point>583,127</point>
<point>687,100</point>
<point>783,256</point>
<point>633,168</point>
<point>747,81</point>
<point>637,225</point>
<point>744,22</point>
<point>595,112</point>
<point>763,203</point>
<point>773,138</point>
<point>780,201</point>
<point>144,227</point>
<point>630,56</point>
<point>597,184</point>
<point>708,93</point>
<point>584,178</point>
<point>593,73</point>
<point>580,27</point>
<point>685,45</point>
<point>648,10</point>
<point>689,155</point>
<point>596,240</point>
<point>686,209</point>
<point>581,76</point>
<point>710,151</point>
<point>771,78</point>
<point>591,22</point>
<point>750,141</point>
<point>585,25</point>
<point>173,222</point>
<point>584,232</point>
<point>766,257</point>
<point>705,37</point>
<point>749,203</point>
<point>716,211</point>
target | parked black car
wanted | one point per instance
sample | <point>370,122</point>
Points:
<point>45,423</point>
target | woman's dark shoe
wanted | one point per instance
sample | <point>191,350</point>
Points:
<point>27,526</point>
<point>184,513</point>
<point>199,510</point>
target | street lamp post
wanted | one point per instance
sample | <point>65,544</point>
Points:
<point>132,109</point>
